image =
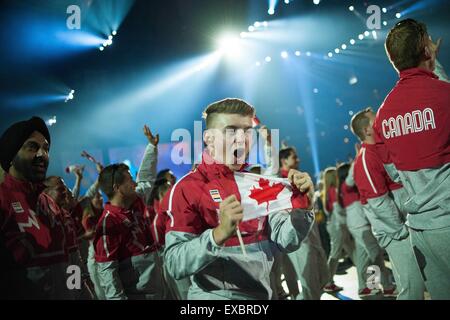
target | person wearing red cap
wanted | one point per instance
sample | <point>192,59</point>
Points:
<point>378,194</point>
<point>413,132</point>
<point>205,211</point>
<point>27,230</point>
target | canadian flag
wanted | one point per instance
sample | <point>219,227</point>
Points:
<point>261,195</point>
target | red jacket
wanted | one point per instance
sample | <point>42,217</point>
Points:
<point>414,121</point>
<point>349,195</point>
<point>33,235</point>
<point>331,198</point>
<point>160,220</point>
<point>201,213</point>
<point>370,176</point>
<point>122,234</point>
<point>71,231</point>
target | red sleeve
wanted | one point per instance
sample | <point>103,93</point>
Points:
<point>159,226</point>
<point>183,217</point>
<point>331,198</point>
<point>107,240</point>
<point>370,175</point>
<point>299,199</point>
<point>382,151</point>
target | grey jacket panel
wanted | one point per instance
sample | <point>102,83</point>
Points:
<point>288,230</point>
<point>428,203</point>
<point>356,217</point>
<point>136,278</point>
<point>386,220</point>
<point>224,272</point>
<point>147,172</point>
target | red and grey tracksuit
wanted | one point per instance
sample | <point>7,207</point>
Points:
<point>377,192</point>
<point>340,239</point>
<point>126,255</point>
<point>127,261</point>
<point>223,272</point>
<point>413,126</point>
<point>36,239</point>
<point>367,250</point>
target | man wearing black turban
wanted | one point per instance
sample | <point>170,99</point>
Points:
<point>30,238</point>
<point>24,150</point>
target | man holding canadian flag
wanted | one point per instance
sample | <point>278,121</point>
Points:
<point>225,225</point>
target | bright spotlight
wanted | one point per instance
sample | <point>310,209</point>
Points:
<point>251,28</point>
<point>353,80</point>
<point>284,55</point>
<point>70,96</point>
<point>337,50</point>
<point>366,33</point>
<point>346,140</point>
<point>286,1</point>
<point>398,15</point>
<point>114,32</point>
<point>374,35</point>
<point>351,8</point>
<point>316,91</point>
<point>330,54</point>
<point>265,24</point>
<point>346,127</point>
<point>257,24</point>
<point>384,10</point>
<point>352,41</point>
<point>308,54</point>
<point>101,48</point>
<point>109,42</point>
<point>316,2</point>
<point>51,121</point>
<point>384,23</point>
<point>229,46</point>
<point>271,11</point>
<point>344,46</point>
<point>268,59</point>
<point>110,37</point>
<point>361,36</point>
<point>298,53</point>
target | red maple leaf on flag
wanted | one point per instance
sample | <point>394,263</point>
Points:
<point>266,192</point>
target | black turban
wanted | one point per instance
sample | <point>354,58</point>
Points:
<point>14,137</point>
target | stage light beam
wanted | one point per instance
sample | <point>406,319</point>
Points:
<point>230,46</point>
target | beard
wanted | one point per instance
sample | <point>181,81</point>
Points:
<point>32,170</point>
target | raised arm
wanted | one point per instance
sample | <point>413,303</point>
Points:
<point>147,170</point>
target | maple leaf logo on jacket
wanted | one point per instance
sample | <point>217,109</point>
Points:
<point>266,192</point>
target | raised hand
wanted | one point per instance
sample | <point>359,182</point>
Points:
<point>154,140</point>
<point>303,183</point>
